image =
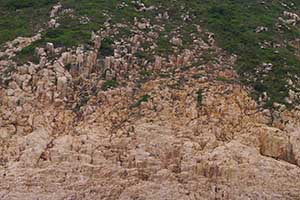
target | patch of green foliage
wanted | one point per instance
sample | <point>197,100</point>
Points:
<point>83,100</point>
<point>109,84</point>
<point>27,54</point>
<point>208,56</point>
<point>21,4</point>
<point>146,73</point>
<point>224,79</point>
<point>106,48</point>
<point>4,79</point>
<point>124,32</point>
<point>144,98</point>
<point>197,76</point>
<point>141,54</point>
<point>164,75</point>
<point>164,45</point>
<point>63,36</point>
<point>199,97</point>
<point>234,24</point>
<point>68,66</point>
<point>22,17</point>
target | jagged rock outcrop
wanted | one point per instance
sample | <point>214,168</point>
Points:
<point>83,124</point>
<point>168,147</point>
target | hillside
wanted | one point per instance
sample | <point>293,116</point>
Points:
<point>178,99</point>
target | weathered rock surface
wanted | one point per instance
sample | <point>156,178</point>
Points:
<point>168,148</point>
<point>179,134</point>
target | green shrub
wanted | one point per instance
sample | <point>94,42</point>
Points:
<point>64,36</point>
<point>197,76</point>
<point>199,97</point>
<point>27,54</point>
<point>164,45</point>
<point>109,84</point>
<point>106,47</point>
<point>142,99</point>
<point>146,73</point>
<point>21,4</point>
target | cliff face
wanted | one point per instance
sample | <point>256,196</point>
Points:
<point>81,124</point>
<point>181,137</point>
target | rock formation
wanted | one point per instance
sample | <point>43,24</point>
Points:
<point>81,124</point>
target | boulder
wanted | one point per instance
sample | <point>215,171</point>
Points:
<point>96,39</point>
<point>62,84</point>
<point>176,41</point>
<point>275,143</point>
<point>50,47</point>
<point>55,10</point>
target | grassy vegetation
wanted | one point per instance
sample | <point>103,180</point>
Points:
<point>109,84</point>
<point>27,54</point>
<point>106,48</point>
<point>146,73</point>
<point>233,21</point>
<point>144,98</point>
<point>199,97</point>
<point>22,17</point>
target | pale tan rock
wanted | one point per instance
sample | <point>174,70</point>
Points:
<point>176,41</point>
<point>142,25</point>
<point>40,52</point>
<point>153,191</point>
<point>66,58</point>
<point>109,62</point>
<point>64,137</point>
<point>79,59</point>
<point>97,40</point>
<point>229,167</point>
<point>7,131</point>
<point>274,143</point>
<point>53,24</point>
<point>62,84</point>
<point>34,145</point>
<point>50,47</point>
<point>55,10</point>
<point>90,62</point>
<point>157,63</point>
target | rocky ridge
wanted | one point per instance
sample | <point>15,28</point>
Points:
<point>84,125</point>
